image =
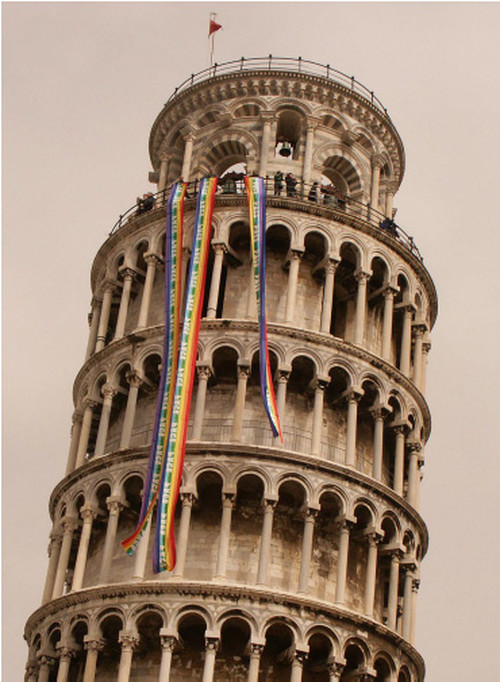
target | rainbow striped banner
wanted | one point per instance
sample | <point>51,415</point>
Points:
<point>164,550</point>
<point>256,194</point>
<point>171,340</point>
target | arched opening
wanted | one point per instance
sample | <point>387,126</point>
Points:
<point>77,643</point>
<point>286,542</point>
<point>190,653</point>
<point>246,527</point>
<point>204,531</point>
<point>388,546</point>
<point>383,670</point>
<point>142,430</point>
<point>277,248</point>
<point>401,301</point>
<point>311,276</point>
<point>376,286</point>
<point>147,654</point>
<point>326,546</point>
<point>219,406</point>
<point>355,663</point>
<point>389,455</point>
<point>231,664</point>
<point>344,293</point>
<point>357,558</point>
<point>118,409</point>
<point>276,659</point>
<point>342,174</point>
<point>288,134</point>
<point>96,544</point>
<point>121,565</point>
<point>238,272</point>
<point>299,404</point>
<point>256,427</point>
<point>316,665</point>
<point>223,157</point>
<point>335,416</point>
<point>109,656</point>
<point>365,427</point>
<point>53,639</point>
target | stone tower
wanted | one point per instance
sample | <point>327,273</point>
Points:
<point>296,561</point>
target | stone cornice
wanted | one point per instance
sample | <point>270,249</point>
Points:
<point>260,452</point>
<point>275,84</point>
<point>316,338</point>
<point>282,202</point>
<point>228,592</point>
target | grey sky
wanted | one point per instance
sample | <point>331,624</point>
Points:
<point>82,85</point>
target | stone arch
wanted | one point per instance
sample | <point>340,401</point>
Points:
<point>228,147</point>
<point>191,609</point>
<point>356,653</point>
<point>142,609</point>
<point>343,167</point>
<point>384,666</point>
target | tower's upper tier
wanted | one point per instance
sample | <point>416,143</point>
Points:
<point>331,127</point>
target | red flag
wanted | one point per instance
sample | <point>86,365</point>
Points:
<point>214,26</point>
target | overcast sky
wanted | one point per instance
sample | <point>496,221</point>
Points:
<point>82,85</point>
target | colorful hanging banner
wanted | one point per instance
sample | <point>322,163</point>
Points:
<point>164,556</point>
<point>256,194</point>
<point>173,291</point>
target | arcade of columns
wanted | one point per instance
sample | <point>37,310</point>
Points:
<point>296,560</point>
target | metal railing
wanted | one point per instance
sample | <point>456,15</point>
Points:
<point>301,192</point>
<point>272,63</point>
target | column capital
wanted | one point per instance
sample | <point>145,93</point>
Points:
<point>409,566</point>
<point>419,328</point>
<point>346,522</point>
<point>310,514</point>
<point>426,346</point>
<point>320,383</point>
<point>211,643</point>
<point>377,161</point>
<point>88,513</point>
<point>243,371</point>
<point>295,254</point>
<point>108,391</point>
<point>362,275</point>
<point>283,374</point>
<point>256,649</point>
<point>373,536</point>
<point>108,285</point>
<point>152,258</point>
<point>128,640</point>
<point>167,642</point>
<point>267,116</point>
<point>46,659</point>
<point>93,643</point>
<point>269,504</point>
<point>219,246</point>
<point>228,499</point>
<point>89,403</point>
<point>391,186</point>
<point>69,524</point>
<point>134,378</point>
<point>188,132</point>
<point>414,446</point>
<point>401,427</point>
<point>77,417</point>
<point>203,371</point>
<point>380,411</point>
<point>114,505</point>
<point>187,499</point>
<point>31,669</point>
<point>300,656</point>
<point>65,652</point>
<point>127,272</point>
<point>331,266</point>
<point>353,394</point>
<point>389,291</point>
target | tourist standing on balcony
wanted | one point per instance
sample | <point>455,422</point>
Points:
<point>278,183</point>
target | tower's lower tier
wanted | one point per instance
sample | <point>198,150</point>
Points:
<point>156,631</point>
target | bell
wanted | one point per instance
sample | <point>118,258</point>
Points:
<point>285,150</point>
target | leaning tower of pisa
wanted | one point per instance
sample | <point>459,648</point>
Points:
<point>296,560</point>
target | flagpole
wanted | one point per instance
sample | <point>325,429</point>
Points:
<point>212,39</point>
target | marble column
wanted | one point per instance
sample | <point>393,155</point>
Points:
<point>94,326</point>
<point>204,372</point>
<point>188,153</point>
<point>45,663</point>
<point>297,666</point>
<point>108,392</point>
<point>68,524</point>
<point>419,331</point>
<point>76,429</point>
<point>92,646</point>
<point>213,297</point>
<point>153,261</point>
<point>83,441</point>
<point>265,542</point>
<point>389,197</point>
<point>387,323</point>
<point>326,310</point>
<point>134,381</point>
<point>187,500</point>
<point>65,656</point>
<point>128,277</point>
<point>224,535</point>
<point>239,405</point>
<point>283,376</point>
<point>128,643</point>
<point>167,643</point>
<point>88,515</point>
<point>307,547</point>
<point>211,644</point>
<point>378,413</point>
<point>163,173</point>
<point>353,397</point>
<point>317,426</point>
<point>31,671</point>
<point>404,357</point>
<point>360,316</point>
<point>392,602</point>
<point>414,595</point>
<point>293,275</point>
<point>54,552</point>
<point>371,573</point>
<point>414,449</point>
<point>342,562</point>
<point>308,152</point>
<point>254,665</point>
<point>114,505</point>
<point>264,149</point>
<point>104,316</point>
<point>399,458</point>
<point>409,577</point>
<point>141,554</point>
<point>425,358</point>
<point>375,183</point>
